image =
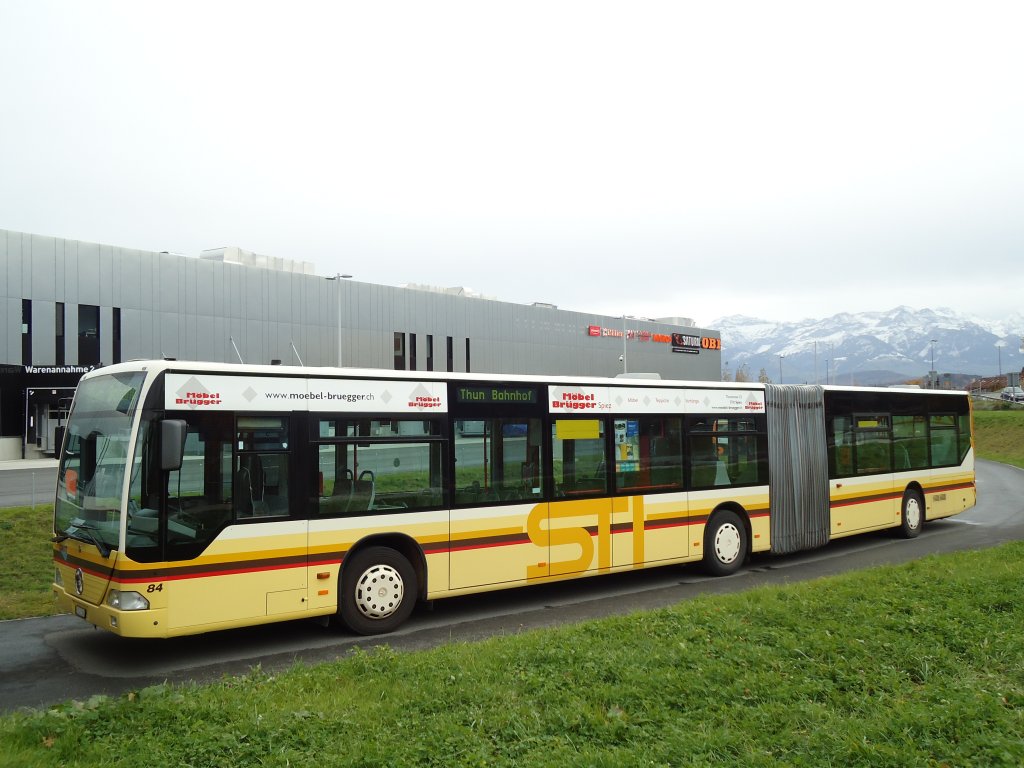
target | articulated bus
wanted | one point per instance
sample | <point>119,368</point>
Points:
<point>194,497</point>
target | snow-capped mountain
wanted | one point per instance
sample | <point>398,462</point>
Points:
<point>871,347</point>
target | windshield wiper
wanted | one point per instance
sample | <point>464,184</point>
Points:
<point>87,536</point>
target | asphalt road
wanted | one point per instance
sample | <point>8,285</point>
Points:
<point>27,482</point>
<point>50,660</point>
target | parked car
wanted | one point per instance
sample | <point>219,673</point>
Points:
<point>1013,394</point>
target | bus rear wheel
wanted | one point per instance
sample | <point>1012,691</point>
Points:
<point>912,517</point>
<point>725,543</point>
<point>378,591</point>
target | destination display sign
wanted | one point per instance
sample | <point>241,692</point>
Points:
<point>496,395</point>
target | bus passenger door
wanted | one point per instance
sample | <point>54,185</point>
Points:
<point>498,522</point>
<point>862,497</point>
<point>579,536</point>
<point>496,544</point>
<point>235,545</point>
<point>652,523</point>
<point>579,524</point>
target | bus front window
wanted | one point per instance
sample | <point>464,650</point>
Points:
<point>90,480</point>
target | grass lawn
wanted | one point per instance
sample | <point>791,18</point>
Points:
<point>920,664</point>
<point>999,435</point>
<point>26,568</point>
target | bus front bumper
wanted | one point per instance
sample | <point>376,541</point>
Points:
<point>147,623</point>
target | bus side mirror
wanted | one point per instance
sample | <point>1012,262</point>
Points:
<point>172,444</point>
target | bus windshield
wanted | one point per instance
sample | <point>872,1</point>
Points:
<point>90,480</point>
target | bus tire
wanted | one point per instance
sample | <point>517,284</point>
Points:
<point>378,591</point>
<point>912,514</point>
<point>725,543</point>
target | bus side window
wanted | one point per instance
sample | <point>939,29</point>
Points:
<point>198,495</point>
<point>841,447</point>
<point>942,439</point>
<point>376,466</point>
<point>498,461</point>
<point>704,462</point>
<point>910,442</point>
<point>261,466</point>
<point>872,443</point>
<point>648,454</point>
<point>578,457</point>
<point>964,422</point>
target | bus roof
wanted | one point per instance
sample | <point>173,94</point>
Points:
<point>328,372</point>
<point>181,366</point>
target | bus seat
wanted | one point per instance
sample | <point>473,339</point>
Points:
<point>363,491</point>
<point>341,494</point>
<point>243,492</point>
<point>468,495</point>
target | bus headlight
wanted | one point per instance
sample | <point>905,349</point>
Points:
<point>57,578</point>
<point>127,601</point>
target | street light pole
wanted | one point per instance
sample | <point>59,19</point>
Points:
<point>338,277</point>
<point>931,373</point>
<point>624,364</point>
<point>623,357</point>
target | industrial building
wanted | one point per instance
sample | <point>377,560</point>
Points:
<point>70,306</point>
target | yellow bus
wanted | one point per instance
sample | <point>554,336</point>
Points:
<point>193,497</point>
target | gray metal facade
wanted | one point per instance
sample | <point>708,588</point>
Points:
<point>190,308</point>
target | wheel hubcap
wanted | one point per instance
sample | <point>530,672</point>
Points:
<point>379,591</point>
<point>912,513</point>
<point>727,543</point>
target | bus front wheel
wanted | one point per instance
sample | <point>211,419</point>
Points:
<point>912,518</point>
<point>725,543</point>
<point>378,591</point>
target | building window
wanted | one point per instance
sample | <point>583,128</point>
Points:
<point>58,324</point>
<point>88,334</point>
<point>26,331</point>
<point>451,355</point>
<point>399,351</point>
<point>468,369</point>
<point>116,335</point>
<point>412,351</point>
<point>430,352</point>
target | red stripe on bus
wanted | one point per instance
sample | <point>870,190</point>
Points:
<point>213,572</point>
<point>865,499</point>
<point>951,487</point>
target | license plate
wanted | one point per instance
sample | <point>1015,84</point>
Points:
<point>79,611</point>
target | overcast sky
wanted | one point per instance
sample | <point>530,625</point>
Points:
<point>698,159</point>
